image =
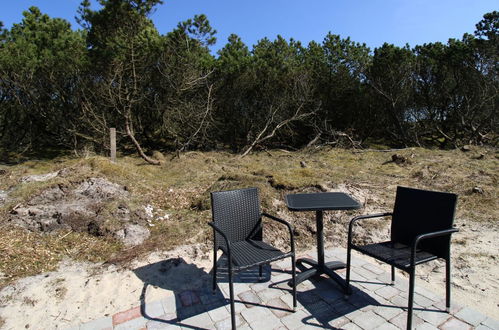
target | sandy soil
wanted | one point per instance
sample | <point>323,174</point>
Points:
<point>80,292</point>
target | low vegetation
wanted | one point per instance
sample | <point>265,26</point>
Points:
<point>177,195</point>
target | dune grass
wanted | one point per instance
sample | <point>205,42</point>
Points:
<point>180,187</point>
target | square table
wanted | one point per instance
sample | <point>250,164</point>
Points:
<point>320,202</point>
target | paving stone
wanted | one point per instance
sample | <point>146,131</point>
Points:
<point>281,278</point>
<point>366,274</point>
<point>351,326</point>
<point>433,317</point>
<point>202,320</point>
<point>208,298</point>
<point>455,324</point>
<point>357,262</point>
<point>369,285</point>
<point>249,298</point>
<point>368,320</point>
<point>241,287</point>
<point>491,323</point>
<point>401,320</point>
<point>134,324</point>
<point>343,308</point>
<point>426,326</point>
<point>280,309</point>
<point>244,327</point>
<point>482,327</point>
<point>163,322</point>
<point>282,264</point>
<point>355,276</point>
<point>259,286</point>
<point>102,323</point>
<point>256,314</point>
<point>387,312</point>
<point>153,309</point>
<point>427,293</point>
<point>219,314</point>
<point>288,300</point>
<point>269,322</point>
<point>322,312</point>
<point>454,308</point>
<point>295,320</point>
<point>227,325</point>
<point>387,292</point>
<point>422,301</point>
<point>186,312</point>
<point>307,297</point>
<point>269,294</point>
<point>328,291</point>
<point>372,268</point>
<point>188,298</point>
<point>338,322</point>
<point>354,314</point>
<point>127,315</point>
<point>399,301</point>
<point>470,316</point>
<point>169,304</point>
<point>385,277</point>
<point>386,326</point>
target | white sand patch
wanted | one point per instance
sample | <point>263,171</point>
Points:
<point>80,292</point>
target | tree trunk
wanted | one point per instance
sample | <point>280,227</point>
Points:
<point>137,145</point>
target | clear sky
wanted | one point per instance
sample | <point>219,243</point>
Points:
<point>367,21</point>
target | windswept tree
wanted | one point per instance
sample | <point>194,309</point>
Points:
<point>123,46</point>
<point>184,84</point>
<point>41,60</point>
<point>391,77</point>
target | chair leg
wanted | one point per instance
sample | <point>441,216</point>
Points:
<point>348,290</point>
<point>231,293</point>
<point>393,275</point>
<point>447,284</point>
<point>412,274</point>
<point>293,274</point>
<point>214,271</point>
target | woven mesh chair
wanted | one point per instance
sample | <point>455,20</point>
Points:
<point>237,229</point>
<point>421,228</point>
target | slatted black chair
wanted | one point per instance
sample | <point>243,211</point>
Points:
<point>421,228</point>
<point>237,230</point>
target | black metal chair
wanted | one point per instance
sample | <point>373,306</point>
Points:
<point>237,230</point>
<point>421,228</point>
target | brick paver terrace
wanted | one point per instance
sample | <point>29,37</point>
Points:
<point>374,304</point>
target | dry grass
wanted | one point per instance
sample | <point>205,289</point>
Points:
<point>24,253</point>
<point>180,188</point>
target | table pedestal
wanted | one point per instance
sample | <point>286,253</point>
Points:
<point>319,267</point>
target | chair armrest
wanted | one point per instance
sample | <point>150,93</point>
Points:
<point>421,237</point>
<point>362,217</point>
<point>218,230</point>
<point>290,228</point>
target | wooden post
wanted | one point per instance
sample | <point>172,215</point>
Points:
<point>112,134</point>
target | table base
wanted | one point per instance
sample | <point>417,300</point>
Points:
<point>316,268</point>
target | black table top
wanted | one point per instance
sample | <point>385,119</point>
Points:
<point>321,202</point>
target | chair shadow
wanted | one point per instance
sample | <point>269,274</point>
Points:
<point>191,287</point>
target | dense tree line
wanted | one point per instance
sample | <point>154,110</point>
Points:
<point>63,89</point>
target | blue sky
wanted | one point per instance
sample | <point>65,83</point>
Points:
<point>370,21</point>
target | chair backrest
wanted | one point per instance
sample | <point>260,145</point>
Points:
<point>237,214</point>
<point>418,212</point>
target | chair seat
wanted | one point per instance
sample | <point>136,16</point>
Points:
<point>249,253</point>
<point>395,254</point>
